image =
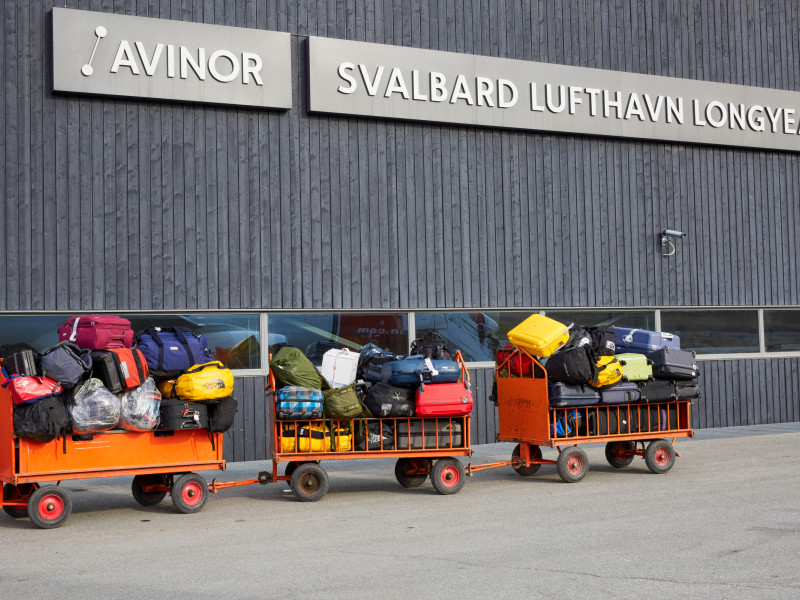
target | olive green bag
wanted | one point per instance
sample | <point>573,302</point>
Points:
<point>342,402</point>
<point>291,367</point>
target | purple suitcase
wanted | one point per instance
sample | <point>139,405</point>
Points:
<point>620,393</point>
<point>643,341</point>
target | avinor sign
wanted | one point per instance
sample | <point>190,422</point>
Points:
<point>120,55</point>
<point>358,78</point>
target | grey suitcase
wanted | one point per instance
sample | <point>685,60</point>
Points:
<point>669,363</point>
<point>439,433</point>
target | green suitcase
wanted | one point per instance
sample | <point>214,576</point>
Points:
<point>635,367</point>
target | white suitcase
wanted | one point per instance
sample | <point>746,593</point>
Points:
<point>339,367</point>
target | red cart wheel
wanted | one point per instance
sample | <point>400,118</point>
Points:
<point>620,454</point>
<point>572,464</point>
<point>535,453</point>
<point>448,475</point>
<point>49,506</point>
<point>659,456</point>
<point>189,493</point>
<point>17,493</point>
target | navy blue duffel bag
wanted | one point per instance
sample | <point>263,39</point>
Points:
<point>171,350</point>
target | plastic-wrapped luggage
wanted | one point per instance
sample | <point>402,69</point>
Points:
<point>139,408</point>
<point>93,408</point>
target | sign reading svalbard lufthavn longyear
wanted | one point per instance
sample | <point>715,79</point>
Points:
<point>377,80</point>
<point>121,55</point>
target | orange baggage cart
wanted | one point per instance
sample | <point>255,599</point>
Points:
<point>433,455</point>
<point>161,462</point>
<point>525,417</point>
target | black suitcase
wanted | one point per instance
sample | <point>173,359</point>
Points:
<point>21,363</point>
<point>105,369</point>
<point>661,418</point>
<point>614,420</point>
<point>564,394</point>
<point>669,363</point>
<point>620,393</point>
<point>177,414</point>
<point>658,390</point>
<point>448,431</point>
<point>687,389</point>
<point>373,434</point>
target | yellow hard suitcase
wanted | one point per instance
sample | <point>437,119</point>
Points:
<point>539,335</point>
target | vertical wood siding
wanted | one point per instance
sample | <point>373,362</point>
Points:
<point>118,204</point>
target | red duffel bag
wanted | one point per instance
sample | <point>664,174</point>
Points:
<point>97,332</point>
<point>25,390</point>
<point>520,365</point>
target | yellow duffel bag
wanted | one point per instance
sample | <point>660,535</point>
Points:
<point>209,381</point>
<point>609,372</point>
<point>314,437</point>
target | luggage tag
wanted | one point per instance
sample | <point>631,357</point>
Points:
<point>429,365</point>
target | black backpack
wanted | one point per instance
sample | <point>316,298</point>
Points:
<point>42,421</point>
<point>384,400</point>
<point>574,365</point>
<point>221,414</point>
<point>431,345</point>
<point>604,340</point>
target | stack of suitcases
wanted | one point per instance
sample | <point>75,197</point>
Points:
<point>606,365</point>
<point>98,378</point>
<point>365,399</point>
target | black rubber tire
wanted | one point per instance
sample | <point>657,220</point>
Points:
<point>527,471</point>
<point>572,464</point>
<point>17,492</point>
<point>189,493</point>
<point>403,465</point>
<point>448,476</point>
<point>309,482</point>
<point>616,453</point>
<point>49,507</point>
<point>290,467</point>
<point>659,456</point>
<point>148,498</point>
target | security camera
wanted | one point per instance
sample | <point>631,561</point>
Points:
<point>673,233</point>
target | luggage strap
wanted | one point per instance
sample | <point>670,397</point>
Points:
<point>183,340</point>
<point>629,338</point>
<point>74,335</point>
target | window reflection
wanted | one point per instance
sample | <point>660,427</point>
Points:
<point>782,330</point>
<point>714,332</point>
<point>590,318</point>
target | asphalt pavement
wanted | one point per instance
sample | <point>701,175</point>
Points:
<point>723,523</point>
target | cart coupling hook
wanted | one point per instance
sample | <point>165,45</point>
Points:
<point>264,477</point>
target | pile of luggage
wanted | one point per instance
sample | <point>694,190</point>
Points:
<point>603,365</point>
<point>99,378</point>
<point>354,397</point>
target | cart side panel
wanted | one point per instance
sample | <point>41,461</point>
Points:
<point>119,450</point>
<point>522,409</point>
<point>6,436</point>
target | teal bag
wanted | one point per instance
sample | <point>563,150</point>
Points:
<point>342,402</point>
<point>291,367</point>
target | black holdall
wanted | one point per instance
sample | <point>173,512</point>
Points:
<point>604,340</point>
<point>575,365</point>
<point>221,414</point>
<point>384,400</point>
<point>42,421</point>
<point>432,345</point>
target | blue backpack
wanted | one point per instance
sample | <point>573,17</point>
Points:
<point>171,350</point>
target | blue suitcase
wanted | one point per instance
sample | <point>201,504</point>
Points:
<point>412,371</point>
<point>564,394</point>
<point>295,402</point>
<point>620,393</point>
<point>643,341</point>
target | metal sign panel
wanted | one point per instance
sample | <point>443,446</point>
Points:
<point>120,55</point>
<point>357,78</point>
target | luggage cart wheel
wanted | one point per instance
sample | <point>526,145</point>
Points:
<point>189,493</point>
<point>15,493</point>
<point>448,475</point>
<point>572,464</point>
<point>49,506</point>
<point>620,454</point>
<point>148,498</point>
<point>309,482</point>
<point>290,467</point>
<point>659,456</point>
<point>412,472</point>
<point>536,454</point>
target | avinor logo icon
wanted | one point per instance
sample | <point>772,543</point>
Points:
<point>119,55</point>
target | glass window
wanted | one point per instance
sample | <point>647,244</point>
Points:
<point>714,331</point>
<point>639,319</point>
<point>476,334</point>
<point>40,332</point>
<point>316,333</point>
<point>782,330</point>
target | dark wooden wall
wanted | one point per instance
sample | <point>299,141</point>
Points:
<point>116,204</point>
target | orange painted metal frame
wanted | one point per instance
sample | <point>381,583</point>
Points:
<point>525,416</point>
<point>440,449</point>
<point>108,454</point>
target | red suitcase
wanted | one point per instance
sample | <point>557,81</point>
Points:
<point>443,400</point>
<point>97,332</point>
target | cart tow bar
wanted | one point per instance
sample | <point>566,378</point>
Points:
<point>264,477</point>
